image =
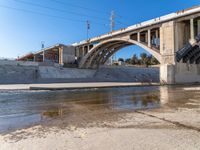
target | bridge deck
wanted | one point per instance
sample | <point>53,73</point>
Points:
<point>151,22</point>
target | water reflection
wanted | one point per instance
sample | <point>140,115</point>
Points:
<point>37,106</point>
<point>53,113</point>
<point>123,98</point>
<point>164,95</point>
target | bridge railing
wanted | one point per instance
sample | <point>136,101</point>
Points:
<point>151,22</point>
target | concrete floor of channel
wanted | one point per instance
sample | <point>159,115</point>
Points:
<point>113,118</point>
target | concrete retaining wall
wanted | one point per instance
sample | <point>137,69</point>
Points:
<point>18,63</point>
<point>12,72</point>
<point>18,74</point>
<point>27,63</point>
<point>128,74</point>
<point>62,73</point>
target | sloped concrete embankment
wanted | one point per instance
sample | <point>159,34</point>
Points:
<point>69,75</point>
<point>15,73</point>
<point>128,74</point>
<point>18,72</point>
<point>104,74</point>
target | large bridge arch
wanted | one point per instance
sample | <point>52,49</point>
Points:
<point>102,51</point>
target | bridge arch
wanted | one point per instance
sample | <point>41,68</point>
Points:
<point>101,52</point>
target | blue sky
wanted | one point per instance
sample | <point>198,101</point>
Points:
<point>22,32</point>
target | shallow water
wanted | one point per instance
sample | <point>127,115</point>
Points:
<point>19,109</point>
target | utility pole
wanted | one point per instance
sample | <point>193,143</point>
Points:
<point>112,21</point>
<point>42,45</point>
<point>112,27</point>
<point>88,28</point>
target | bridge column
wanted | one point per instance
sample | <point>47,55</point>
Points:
<point>83,49</point>
<point>60,55</point>
<point>146,37</point>
<point>167,50</point>
<point>138,36</point>
<point>198,26</point>
<point>149,38</point>
<point>192,30</point>
<point>157,38</point>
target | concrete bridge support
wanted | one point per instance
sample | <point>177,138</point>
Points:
<point>173,37</point>
<point>167,47</point>
<point>185,71</point>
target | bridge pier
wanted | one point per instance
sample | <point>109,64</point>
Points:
<point>174,36</point>
<point>167,74</point>
<point>191,30</point>
<point>180,73</point>
<point>167,46</point>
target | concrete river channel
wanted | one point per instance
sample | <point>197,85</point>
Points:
<point>23,108</point>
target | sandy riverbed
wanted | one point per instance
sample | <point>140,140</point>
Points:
<point>141,130</point>
<point>145,118</point>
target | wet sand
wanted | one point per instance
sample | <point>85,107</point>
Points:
<point>132,131</point>
<point>168,119</point>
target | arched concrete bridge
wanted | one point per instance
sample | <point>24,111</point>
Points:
<point>101,52</point>
<point>170,39</point>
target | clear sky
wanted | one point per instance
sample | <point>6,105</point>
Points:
<point>25,23</point>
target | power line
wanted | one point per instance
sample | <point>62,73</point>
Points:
<point>59,10</point>
<point>122,23</point>
<point>39,13</point>
<point>52,16</point>
<point>86,8</point>
<point>82,7</point>
<point>71,12</point>
<point>112,21</point>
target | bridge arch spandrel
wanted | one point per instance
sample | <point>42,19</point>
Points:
<point>103,45</point>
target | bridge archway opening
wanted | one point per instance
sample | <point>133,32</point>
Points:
<point>129,72</point>
<point>100,53</point>
<point>134,52</point>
